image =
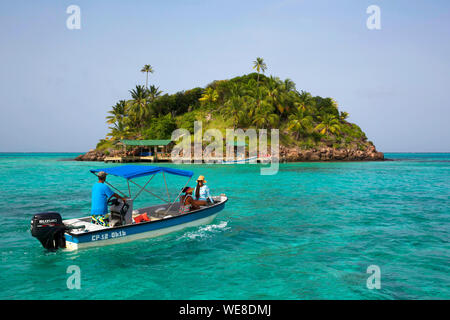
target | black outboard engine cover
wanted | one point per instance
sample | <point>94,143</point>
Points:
<point>49,229</point>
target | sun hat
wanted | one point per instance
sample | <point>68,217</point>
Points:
<point>201,178</point>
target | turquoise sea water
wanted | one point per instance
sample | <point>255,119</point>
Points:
<point>308,232</point>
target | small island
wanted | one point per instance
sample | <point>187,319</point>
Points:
<point>311,128</point>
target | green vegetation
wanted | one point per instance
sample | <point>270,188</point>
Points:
<point>249,101</point>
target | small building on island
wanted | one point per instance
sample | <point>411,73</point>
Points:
<point>143,150</point>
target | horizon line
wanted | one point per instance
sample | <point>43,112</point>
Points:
<point>4,152</point>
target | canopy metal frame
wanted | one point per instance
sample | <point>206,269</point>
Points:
<point>143,188</point>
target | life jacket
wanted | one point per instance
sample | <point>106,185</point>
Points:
<point>185,208</point>
<point>141,218</point>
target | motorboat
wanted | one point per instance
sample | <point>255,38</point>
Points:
<point>53,232</point>
<point>246,160</point>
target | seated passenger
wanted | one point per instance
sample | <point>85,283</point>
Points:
<point>187,202</point>
<point>202,195</point>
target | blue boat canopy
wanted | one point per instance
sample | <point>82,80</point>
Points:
<point>134,171</point>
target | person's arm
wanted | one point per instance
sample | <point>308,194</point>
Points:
<point>120,197</point>
<point>110,193</point>
<point>191,201</point>
<point>194,193</point>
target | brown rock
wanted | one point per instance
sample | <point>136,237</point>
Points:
<point>339,154</point>
<point>314,157</point>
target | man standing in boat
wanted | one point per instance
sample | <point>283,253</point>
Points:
<point>100,195</point>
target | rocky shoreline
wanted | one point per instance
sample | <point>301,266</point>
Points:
<point>287,154</point>
<point>329,154</point>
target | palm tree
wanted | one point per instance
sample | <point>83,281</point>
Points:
<point>259,65</point>
<point>139,106</point>
<point>266,120</point>
<point>235,90</point>
<point>328,124</point>
<point>245,116</point>
<point>154,92</point>
<point>289,85</point>
<point>118,113</point>
<point>281,94</point>
<point>306,98</point>
<point>306,102</point>
<point>147,68</point>
<point>274,92</point>
<point>300,122</point>
<point>233,109</point>
<point>209,96</point>
<point>118,118</point>
<point>344,115</point>
<point>119,131</point>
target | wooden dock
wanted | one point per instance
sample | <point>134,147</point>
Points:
<point>167,158</point>
<point>125,159</point>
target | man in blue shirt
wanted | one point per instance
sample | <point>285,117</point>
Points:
<point>100,195</point>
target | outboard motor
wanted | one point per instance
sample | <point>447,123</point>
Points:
<point>49,229</point>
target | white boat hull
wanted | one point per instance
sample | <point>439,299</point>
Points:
<point>70,246</point>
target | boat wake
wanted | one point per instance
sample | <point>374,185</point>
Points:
<point>205,231</point>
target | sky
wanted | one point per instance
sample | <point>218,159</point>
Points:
<point>57,84</point>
